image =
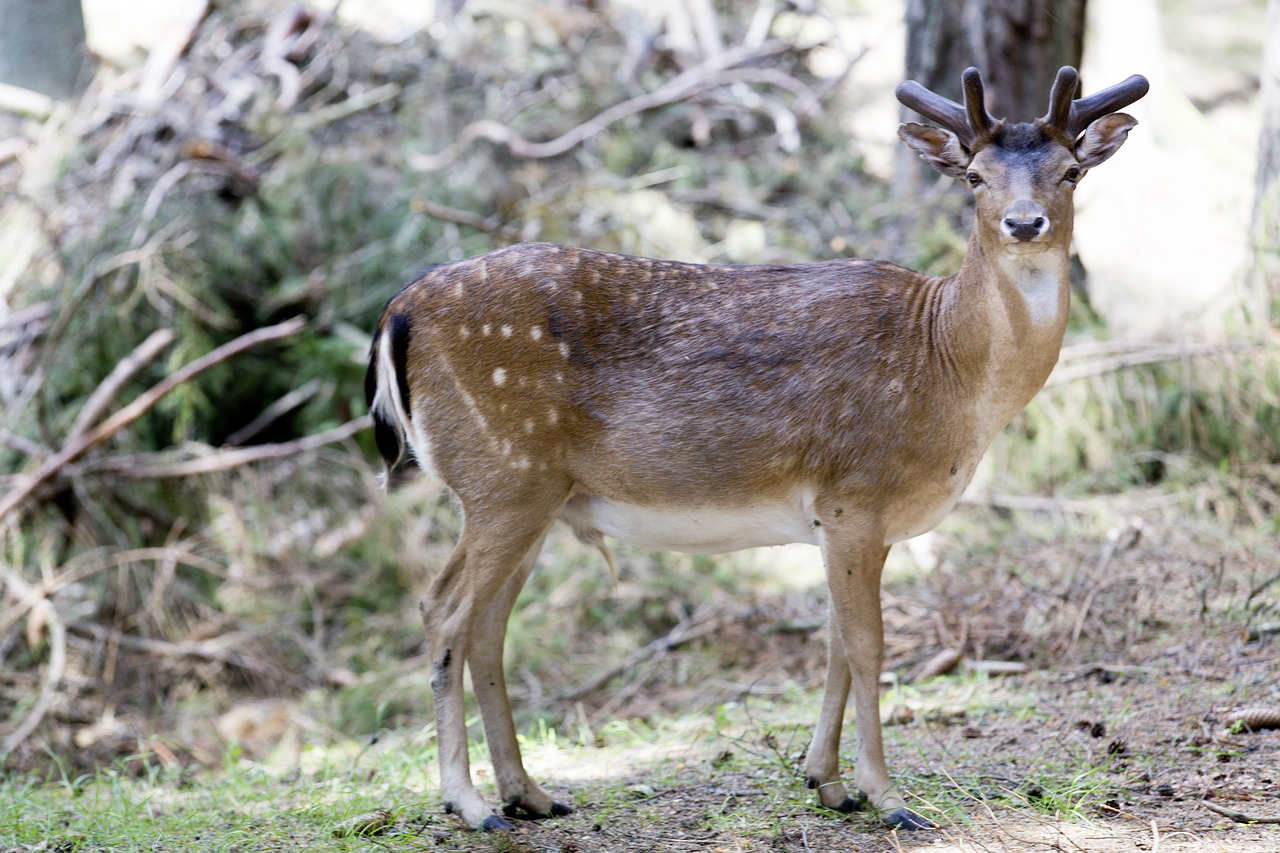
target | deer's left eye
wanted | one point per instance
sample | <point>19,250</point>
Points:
<point>1072,175</point>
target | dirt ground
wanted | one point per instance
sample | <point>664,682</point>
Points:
<point>1140,649</point>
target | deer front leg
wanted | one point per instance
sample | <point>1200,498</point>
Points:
<point>518,791</point>
<point>855,558</point>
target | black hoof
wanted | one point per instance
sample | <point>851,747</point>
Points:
<point>851,805</point>
<point>907,819</point>
<point>515,809</point>
<point>493,823</point>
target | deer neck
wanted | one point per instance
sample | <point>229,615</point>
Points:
<point>1026,297</point>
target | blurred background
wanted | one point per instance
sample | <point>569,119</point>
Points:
<point>204,205</point>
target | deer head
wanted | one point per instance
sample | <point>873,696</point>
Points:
<point>1022,174</point>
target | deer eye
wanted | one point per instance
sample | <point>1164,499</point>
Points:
<point>1073,175</point>
<point>973,179</point>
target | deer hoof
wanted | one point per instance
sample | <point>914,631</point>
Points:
<point>907,819</point>
<point>516,809</point>
<point>493,823</point>
<point>851,805</point>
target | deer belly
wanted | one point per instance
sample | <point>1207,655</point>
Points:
<point>697,530</point>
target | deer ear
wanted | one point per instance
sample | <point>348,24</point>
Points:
<point>1103,138</point>
<point>938,148</point>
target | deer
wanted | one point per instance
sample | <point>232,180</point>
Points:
<point>843,403</point>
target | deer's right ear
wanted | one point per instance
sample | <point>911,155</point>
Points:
<point>937,147</point>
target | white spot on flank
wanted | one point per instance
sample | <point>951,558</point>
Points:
<point>464,332</point>
<point>499,376</point>
<point>536,333</point>
<point>564,350</point>
<point>459,288</point>
<point>506,331</point>
<point>553,417</point>
<point>528,425</point>
<point>486,330</point>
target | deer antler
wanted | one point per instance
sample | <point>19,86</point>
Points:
<point>1085,110</point>
<point>970,122</point>
<point>1072,117</point>
<point>1064,87</point>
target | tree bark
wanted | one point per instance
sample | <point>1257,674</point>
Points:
<point>42,45</point>
<point>1266,201</point>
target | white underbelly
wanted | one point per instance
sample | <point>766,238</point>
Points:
<point>697,530</point>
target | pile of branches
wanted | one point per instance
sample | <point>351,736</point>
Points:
<point>117,357</point>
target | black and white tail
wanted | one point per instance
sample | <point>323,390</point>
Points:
<point>386,375</point>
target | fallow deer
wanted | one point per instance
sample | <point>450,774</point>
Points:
<point>704,408</point>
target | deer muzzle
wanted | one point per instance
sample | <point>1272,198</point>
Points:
<point>1025,221</point>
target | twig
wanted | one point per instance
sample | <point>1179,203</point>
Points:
<point>270,414</point>
<point>40,609</point>
<point>220,649</point>
<point>147,466</point>
<point>140,406</point>
<point>686,630</point>
<point>1065,372</point>
<point>464,217</point>
<point>1238,817</point>
<point>108,388</point>
<point>703,76</point>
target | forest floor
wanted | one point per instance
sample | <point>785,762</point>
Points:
<point>1142,648</point>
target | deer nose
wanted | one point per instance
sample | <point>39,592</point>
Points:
<point>1025,221</point>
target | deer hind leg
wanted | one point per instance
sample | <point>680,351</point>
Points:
<point>822,764</point>
<point>854,563</point>
<point>518,791</point>
<point>490,554</point>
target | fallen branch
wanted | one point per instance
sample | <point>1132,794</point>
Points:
<point>1068,372</point>
<point>42,614</point>
<point>107,390</point>
<point>275,411</point>
<point>703,76</point>
<point>147,466</point>
<point>686,630</point>
<point>220,649</point>
<point>141,405</point>
<point>1238,817</point>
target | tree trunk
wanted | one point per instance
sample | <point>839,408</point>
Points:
<point>42,45</point>
<point>1266,201</point>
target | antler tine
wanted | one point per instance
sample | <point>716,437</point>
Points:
<point>975,103</point>
<point>1085,110</point>
<point>969,122</point>
<point>1064,87</point>
<point>936,108</point>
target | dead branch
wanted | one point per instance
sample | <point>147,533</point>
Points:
<point>220,649</point>
<point>464,217</point>
<point>270,414</point>
<point>42,613</point>
<point>140,406</point>
<point>107,390</point>
<point>1064,372</point>
<point>155,466</point>
<point>686,630</point>
<point>705,75</point>
<point>1238,817</point>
